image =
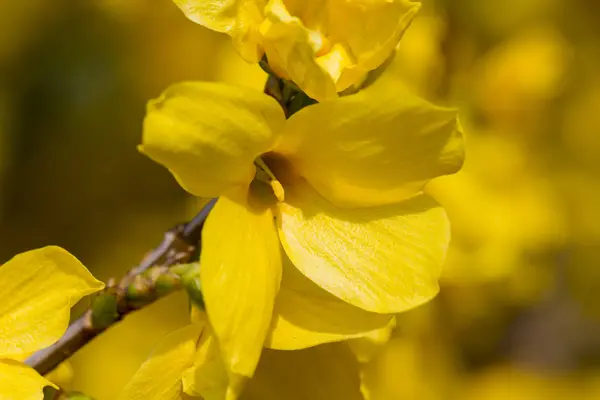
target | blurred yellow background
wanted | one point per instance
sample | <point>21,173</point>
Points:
<point>518,316</point>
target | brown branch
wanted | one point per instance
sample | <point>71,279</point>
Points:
<point>137,289</point>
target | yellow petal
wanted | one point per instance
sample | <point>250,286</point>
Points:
<point>20,382</point>
<point>240,271</point>
<point>377,27</point>
<point>287,44</point>
<point>38,288</point>
<point>377,147</point>
<point>159,377</point>
<point>383,259</point>
<point>366,347</point>
<point>306,315</point>
<point>62,375</point>
<point>208,134</point>
<point>207,377</point>
<point>218,15</point>
<point>326,372</point>
<point>245,34</point>
<point>238,18</point>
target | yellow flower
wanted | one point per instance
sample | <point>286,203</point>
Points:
<point>188,362</point>
<point>37,289</point>
<point>337,187</point>
<point>324,46</point>
<point>419,352</point>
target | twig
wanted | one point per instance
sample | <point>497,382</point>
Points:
<point>136,290</point>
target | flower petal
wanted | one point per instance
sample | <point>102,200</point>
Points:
<point>240,271</point>
<point>287,44</point>
<point>377,27</point>
<point>238,18</point>
<point>382,259</point>
<point>160,376</point>
<point>306,315</point>
<point>207,378</point>
<point>208,134</point>
<point>366,347</point>
<point>20,382</point>
<point>377,147</point>
<point>323,372</point>
<point>38,289</point>
<point>217,15</point>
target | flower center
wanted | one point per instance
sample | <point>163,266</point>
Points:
<point>265,175</point>
<point>273,173</point>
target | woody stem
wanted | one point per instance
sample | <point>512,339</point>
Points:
<point>136,290</point>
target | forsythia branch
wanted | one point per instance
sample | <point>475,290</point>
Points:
<point>141,286</point>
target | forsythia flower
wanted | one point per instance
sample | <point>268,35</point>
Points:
<point>337,187</point>
<point>324,46</point>
<point>188,362</point>
<point>37,289</point>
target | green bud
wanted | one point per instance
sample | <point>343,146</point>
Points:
<point>104,310</point>
<point>139,289</point>
<point>166,283</point>
<point>190,280</point>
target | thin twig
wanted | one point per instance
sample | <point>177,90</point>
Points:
<point>176,247</point>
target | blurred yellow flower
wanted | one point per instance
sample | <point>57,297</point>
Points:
<point>418,352</point>
<point>323,46</point>
<point>502,209</point>
<point>510,88</point>
<point>325,372</point>
<point>38,288</point>
<point>425,369</point>
<point>506,381</point>
<point>338,186</point>
<point>421,58</point>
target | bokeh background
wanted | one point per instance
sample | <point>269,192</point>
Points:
<point>518,315</point>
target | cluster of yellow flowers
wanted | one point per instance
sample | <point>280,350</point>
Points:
<point>322,231</point>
